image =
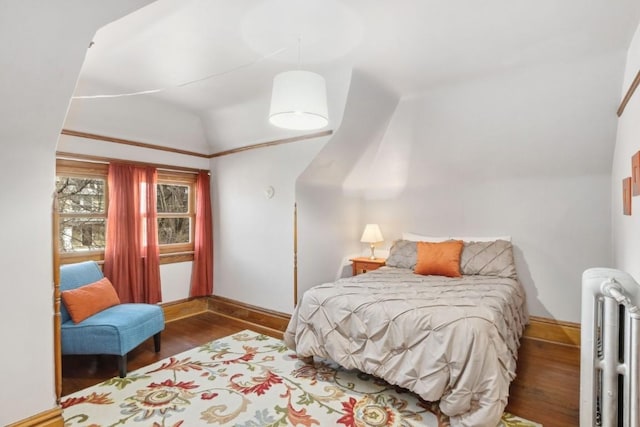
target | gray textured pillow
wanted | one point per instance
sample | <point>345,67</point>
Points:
<point>488,259</point>
<point>403,254</point>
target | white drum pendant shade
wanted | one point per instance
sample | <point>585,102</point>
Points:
<point>299,101</point>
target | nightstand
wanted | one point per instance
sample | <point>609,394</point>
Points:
<point>362,265</point>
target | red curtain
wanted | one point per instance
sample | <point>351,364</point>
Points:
<point>202,273</point>
<point>132,257</point>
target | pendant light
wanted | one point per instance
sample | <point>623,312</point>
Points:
<point>299,100</point>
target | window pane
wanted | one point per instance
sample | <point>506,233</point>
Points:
<point>80,195</point>
<point>173,230</point>
<point>173,198</point>
<point>81,234</point>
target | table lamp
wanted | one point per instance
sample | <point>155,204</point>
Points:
<point>372,235</point>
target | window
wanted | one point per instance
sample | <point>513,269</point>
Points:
<point>176,211</point>
<point>82,211</point>
<point>173,204</point>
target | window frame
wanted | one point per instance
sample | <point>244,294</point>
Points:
<point>189,180</point>
<point>82,169</point>
<point>170,253</point>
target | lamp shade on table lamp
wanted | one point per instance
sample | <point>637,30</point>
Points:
<point>372,235</point>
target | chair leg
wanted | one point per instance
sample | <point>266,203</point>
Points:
<point>122,365</point>
<point>156,342</point>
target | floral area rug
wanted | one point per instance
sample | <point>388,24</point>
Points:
<point>250,380</point>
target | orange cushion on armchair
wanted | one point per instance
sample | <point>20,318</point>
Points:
<point>90,299</point>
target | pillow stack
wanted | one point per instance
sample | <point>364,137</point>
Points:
<point>454,257</point>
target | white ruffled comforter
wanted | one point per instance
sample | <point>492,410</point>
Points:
<point>453,340</point>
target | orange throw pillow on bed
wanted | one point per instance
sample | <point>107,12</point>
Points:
<point>90,299</point>
<point>439,259</point>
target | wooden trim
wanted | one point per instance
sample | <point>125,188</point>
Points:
<point>184,308</point>
<point>71,258</point>
<point>70,167</point>
<point>629,94</point>
<point>539,328</point>
<point>271,143</point>
<point>244,324</point>
<point>104,138</point>
<point>165,258</point>
<point>57,319</point>
<point>101,159</point>
<point>171,258</point>
<point>50,418</point>
<point>249,313</point>
<point>178,177</point>
<point>559,332</point>
<point>96,137</point>
<point>180,249</point>
<point>258,319</point>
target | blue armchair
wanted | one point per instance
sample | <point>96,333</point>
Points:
<point>115,330</point>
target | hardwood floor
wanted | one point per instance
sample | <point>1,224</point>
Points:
<point>546,389</point>
<point>79,372</point>
<point>547,385</point>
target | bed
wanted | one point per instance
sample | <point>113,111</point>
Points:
<point>447,339</point>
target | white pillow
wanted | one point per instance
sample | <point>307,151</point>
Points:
<point>419,238</point>
<point>482,239</point>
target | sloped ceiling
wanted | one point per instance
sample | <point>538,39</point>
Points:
<point>212,62</point>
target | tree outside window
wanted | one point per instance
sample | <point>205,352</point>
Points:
<point>82,213</point>
<point>174,221</point>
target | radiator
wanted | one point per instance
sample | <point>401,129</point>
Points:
<point>609,356</point>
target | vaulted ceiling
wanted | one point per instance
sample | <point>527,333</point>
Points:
<point>210,63</point>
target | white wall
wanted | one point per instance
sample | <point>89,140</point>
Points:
<point>559,226</point>
<point>175,278</point>
<point>329,215</point>
<point>626,229</point>
<point>137,118</point>
<point>43,47</point>
<point>253,235</point>
<point>507,155</point>
<point>93,147</point>
<point>504,154</point>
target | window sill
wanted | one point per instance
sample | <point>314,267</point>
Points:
<point>168,258</point>
<point>173,258</point>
